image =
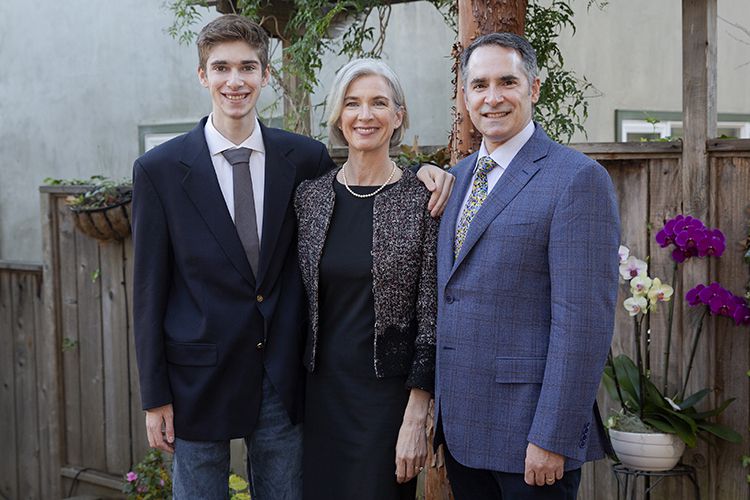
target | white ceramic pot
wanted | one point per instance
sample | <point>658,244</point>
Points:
<point>647,451</point>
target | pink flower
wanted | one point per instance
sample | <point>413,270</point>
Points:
<point>131,476</point>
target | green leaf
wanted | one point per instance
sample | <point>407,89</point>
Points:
<point>715,412</point>
<point>660,425</point>
<point>692,400</point>
<point>721,431</point>
<point>683,429</point>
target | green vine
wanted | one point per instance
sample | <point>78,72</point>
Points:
<point>562,107</point>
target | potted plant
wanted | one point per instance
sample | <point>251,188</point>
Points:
<point>653,425</point>
<point>103,211</point>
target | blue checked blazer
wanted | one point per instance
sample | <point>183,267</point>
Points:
<point>526,310</point>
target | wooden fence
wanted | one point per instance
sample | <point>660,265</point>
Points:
<point>69,397</point>
<point>648,182</point>
<point>23,428</point>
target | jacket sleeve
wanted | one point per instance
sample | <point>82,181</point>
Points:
<point>151,282</point>
<point>422,373</point>
<point>582,254</point>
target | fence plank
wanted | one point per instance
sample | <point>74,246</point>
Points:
<point>27,437</point>
<point>731,214</point>
<point>664,202</point>
<point>8,458</point>
<point>90,344</point>
<point>139,442</point>
<point>630,178</point>
<point>66,295</point>
<point>115,357</point>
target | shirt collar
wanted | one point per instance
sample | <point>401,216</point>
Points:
<point>504,154</point>
<point>217,143</point>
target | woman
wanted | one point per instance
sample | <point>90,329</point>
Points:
<point>367,253</point>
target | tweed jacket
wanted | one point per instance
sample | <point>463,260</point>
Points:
<point>526,310</point>
<point>404,274</point>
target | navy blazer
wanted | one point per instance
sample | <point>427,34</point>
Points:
<point>526,310</point>
<point>205,326</point>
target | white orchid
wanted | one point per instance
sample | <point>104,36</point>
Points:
<point>633,267</point>
<point>640,285</point>
<point>624,253</point>
<point>636,305</point>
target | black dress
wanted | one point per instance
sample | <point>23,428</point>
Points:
<point>352,418</point>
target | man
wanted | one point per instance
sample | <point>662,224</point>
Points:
<point>527,281</point>
<point>219,308</point>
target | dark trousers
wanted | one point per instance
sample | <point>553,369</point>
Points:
<point>480,484</point>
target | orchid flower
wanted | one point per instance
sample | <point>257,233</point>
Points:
<point>635,305</point>
<point>633,267</point>
<point>659,292</point>
<point>640,285</point>
<point>624,253</point>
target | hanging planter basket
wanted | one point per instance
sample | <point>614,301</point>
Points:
<point>104,211</point>
<point>106,223</point>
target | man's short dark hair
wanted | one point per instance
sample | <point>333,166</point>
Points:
<point>507,40</point>
<point>232,28</point>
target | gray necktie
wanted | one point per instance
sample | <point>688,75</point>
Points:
<point>244,204</point>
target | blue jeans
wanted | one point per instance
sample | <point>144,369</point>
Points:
<point>201,468</point>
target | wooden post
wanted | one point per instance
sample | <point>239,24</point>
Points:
<point>699,124</point>
<point>51,397</point>
<point>477,18</point>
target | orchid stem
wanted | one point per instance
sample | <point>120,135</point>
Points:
<point>692,354</point>
<point>611,361</point>
<point>675,278</point>
<point>639,359</point>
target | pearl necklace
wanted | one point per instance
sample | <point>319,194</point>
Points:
<point>346,184</point>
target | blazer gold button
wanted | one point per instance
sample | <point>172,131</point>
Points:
<point>260,345</point>
<point>259,298</point>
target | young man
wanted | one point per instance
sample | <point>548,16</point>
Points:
<point>527,281</point>
<point>219,309</point>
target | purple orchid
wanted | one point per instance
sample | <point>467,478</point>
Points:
<point>131,476</point>
<point>693,296</point>
<point>690,238</point>
<point>741,315</point>
<point>720,302</point>
<point>712,243</point>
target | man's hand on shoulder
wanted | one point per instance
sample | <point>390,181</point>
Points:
<point>440,183</point>
<point>542,466</point>
<point>160,428</point>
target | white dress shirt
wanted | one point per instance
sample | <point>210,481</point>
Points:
<point>502,155</point>
<point>217,143</point>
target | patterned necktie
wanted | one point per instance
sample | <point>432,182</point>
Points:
<point>244,204</point>
<point>476,198</point>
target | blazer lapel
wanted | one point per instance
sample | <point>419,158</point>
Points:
<point>463,172</point>
<point>203,189</point>
<point>279,188</point>
<point>520,171</point>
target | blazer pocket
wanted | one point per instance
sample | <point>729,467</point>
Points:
<point>519,370</point>
<point>191,354</point>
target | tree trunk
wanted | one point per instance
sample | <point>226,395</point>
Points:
<point>477,18</point>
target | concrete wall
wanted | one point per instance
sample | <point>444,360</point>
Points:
<point>79,77</point>
<point>632,53</point>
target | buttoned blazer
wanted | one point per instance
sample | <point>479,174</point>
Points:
<point>526,310</point>
<point>206,328</point>
<point>404,248</point>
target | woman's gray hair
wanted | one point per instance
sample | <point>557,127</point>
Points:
<point>345,76</point>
